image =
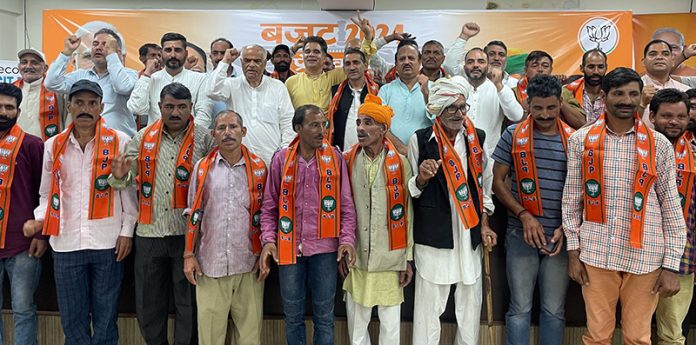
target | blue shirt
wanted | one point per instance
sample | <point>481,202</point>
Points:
<point>116,85</point>
<point>409,109</point>
<point>550,158</point>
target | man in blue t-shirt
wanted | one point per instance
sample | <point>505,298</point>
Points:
<point>533,153</point>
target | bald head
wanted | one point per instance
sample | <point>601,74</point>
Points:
<point>253,63</point>
<point>354,43</point>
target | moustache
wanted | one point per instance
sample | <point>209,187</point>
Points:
<point>29,70</point>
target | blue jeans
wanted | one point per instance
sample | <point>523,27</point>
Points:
<point>524,267</point>
<point>88,283</point>
<point>24,273</point>
<point>316,273</point>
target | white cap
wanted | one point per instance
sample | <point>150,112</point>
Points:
<point>31,51</point>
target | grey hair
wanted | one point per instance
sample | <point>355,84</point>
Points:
<point>96,25</point>
<point>661,31</point>
<point>222,113</point>
<point>265,55</point>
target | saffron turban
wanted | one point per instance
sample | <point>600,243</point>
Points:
<point>372,107</point>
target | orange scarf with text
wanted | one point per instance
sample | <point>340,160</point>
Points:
<point>685,171</point>
<point>9,148</point>
<point>521,90</point>
<point>256,179</point>
<point>525,163</point>
<point>101,199</point>
<point>593,175</point>
<point>578,89</point>
<point>147,168</point>
<point>49,115</point>
<point>329,199</point>
<point>372,88</point>
<point>396,193</point>
<point>455,171</point>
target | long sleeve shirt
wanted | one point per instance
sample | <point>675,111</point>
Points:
<point>607,245</point>
<point>462,263</point>
<point>166,220</point>
<point>266,109</point>
<point>30,120</point>
<point>77,231</point>
<point>307,206</point>
<point>313,90</point>
<point>116,86</point>
<point>409,108</point>
<point>24,195</point>
<point>224,243</point>
<point>455,57</point>
<point>146,95</point>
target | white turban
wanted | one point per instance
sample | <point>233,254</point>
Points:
<point>444,92</point>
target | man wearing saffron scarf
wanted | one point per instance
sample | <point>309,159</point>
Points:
<point>451,205</point>
<point>669,113</point>
<point>533,153</point>
<point>159,160</point>
<point>379,177</point>
<point>308,224</point>
<point>222,258</point>
<point>588,89</point>
<point>347,97</point>
<point>90,223</point>
<point>20,256</point>
<point>622,219</point>
<point>42,113</point>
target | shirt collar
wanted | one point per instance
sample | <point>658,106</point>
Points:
<point>220,159</point>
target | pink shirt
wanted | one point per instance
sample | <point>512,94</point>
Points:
<point>225,246</point>
<point>77,232</point>
<point>307,206</point>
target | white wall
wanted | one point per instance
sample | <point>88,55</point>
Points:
<point>11,11</point>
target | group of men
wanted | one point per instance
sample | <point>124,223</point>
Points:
<point>379,173</point>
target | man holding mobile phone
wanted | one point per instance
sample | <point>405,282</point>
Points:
<point>533,153</point>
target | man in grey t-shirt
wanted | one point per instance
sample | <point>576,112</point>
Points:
<point>533,153</point>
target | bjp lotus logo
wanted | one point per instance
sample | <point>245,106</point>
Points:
<point>528,186</point>
<point>598,33</point>
<point>397,212</point>
<point>462,192</point>
<point>638,201</point>
<point>285,225</point>
<point>592,188</point>
<point>328,204</point>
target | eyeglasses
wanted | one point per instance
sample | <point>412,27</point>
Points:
<point>451,110</point>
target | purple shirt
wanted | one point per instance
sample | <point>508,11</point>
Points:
<point>225,245</point>
<point>307,206</point>
<point>24,195</point>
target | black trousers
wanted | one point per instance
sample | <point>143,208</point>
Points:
<point>159,276</point>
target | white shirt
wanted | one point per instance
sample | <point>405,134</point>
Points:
<point>670,84</point>
<point>350,137</point>
<point>462,264</point>
<point>455,57</point>
<point>488,109</point>
<point>146,95</point>
<point>29,117</point>
<point>77,232</point>
<point>267,110</point>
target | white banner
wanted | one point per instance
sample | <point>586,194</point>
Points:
<point>9,72</point>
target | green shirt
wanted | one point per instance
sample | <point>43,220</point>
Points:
<point>166,221</point>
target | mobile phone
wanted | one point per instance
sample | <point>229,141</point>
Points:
<point>550,246</point>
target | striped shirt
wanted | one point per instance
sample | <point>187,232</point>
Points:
<point>166,221</point>
<point>550,158</point>
<point>688,260</point>
<point>607,246</point>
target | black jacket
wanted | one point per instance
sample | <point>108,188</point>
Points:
<point>341,114</point>
<point>432,222</point>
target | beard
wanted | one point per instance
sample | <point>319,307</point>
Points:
<point>592,82</point>
<point>7,123</point>
<point>470,76</point>
<point>282,66</point>
<point>173,63</point>
<point>691,127</point>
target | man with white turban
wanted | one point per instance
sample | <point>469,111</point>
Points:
<point>451,205</point>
